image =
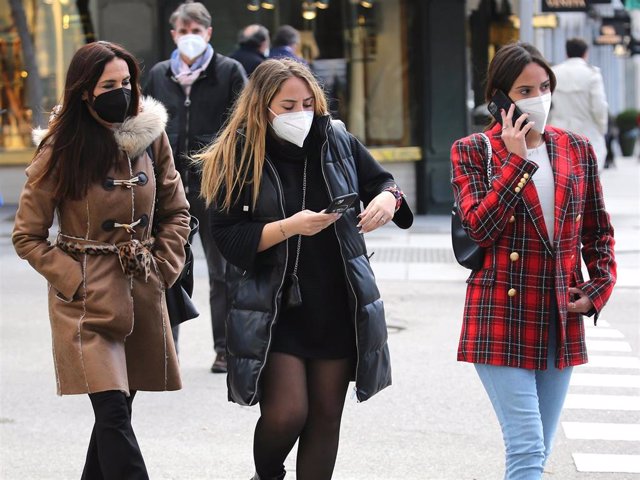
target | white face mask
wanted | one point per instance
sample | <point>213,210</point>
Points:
<point>191,45</point>
<point>538,110</point>
<point>292,126</point>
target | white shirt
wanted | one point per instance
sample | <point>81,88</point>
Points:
<point>543,181</point>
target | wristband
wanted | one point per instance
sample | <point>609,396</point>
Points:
<point>284,235</point>
<point>396,192</point>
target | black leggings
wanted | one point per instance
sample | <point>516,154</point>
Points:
<point>302,400</point>
<point>113,452</point>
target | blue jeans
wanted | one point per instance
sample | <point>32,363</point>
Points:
<point>528,404</point>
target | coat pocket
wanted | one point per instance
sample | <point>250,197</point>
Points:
<point>577,278</point>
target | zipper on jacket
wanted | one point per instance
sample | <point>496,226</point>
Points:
<point>286,246</point>
<point>187,105</point>
<point>344,262</point>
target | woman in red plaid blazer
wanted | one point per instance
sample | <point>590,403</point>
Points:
<point>523,318</point>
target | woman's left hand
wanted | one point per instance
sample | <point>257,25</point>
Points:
<point>582,304</point>
<point>379,212</point>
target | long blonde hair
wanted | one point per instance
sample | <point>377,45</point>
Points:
<point>222,171</point>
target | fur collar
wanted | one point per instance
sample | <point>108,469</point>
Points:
<point>133,135</point>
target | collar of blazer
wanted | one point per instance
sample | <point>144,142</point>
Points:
<point>561,159</point>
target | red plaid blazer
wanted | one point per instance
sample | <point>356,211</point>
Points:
<point>508,300</point>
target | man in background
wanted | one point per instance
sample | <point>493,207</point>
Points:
<point>285,43</point>
<point>579,102</point>
<point>253,49</point>
<point>198,86</point>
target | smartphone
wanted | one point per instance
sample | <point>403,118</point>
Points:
<point>341,204</point>
<point>501,101</point>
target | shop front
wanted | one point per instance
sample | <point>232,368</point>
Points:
<point>394,70</point>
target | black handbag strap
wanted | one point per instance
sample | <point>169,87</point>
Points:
<point>149,151</point>
<point>487,142</point>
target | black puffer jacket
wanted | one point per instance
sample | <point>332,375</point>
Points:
<point>258,292</point>
<point>194,122</point>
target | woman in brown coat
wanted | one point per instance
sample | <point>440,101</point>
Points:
<point>106,169</point>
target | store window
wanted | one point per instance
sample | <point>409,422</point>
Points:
<point>56,30</point>
<point>362,60</point>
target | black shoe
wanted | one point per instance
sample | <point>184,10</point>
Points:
<point>219,364</point>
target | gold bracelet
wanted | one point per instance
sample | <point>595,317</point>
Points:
<point>284,235</point>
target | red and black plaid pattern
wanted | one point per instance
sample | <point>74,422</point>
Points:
<point>508,301</point>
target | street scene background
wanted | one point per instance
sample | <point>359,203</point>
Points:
<point>434,423</point>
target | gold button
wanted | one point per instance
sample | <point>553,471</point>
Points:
<point>514,256</point>
<point>578,218</point>
<point>526,175</point>
<point>512,292</point>
<point>521,184</point>
<point>517,189</point>
<point>512,219</point>
<point>523,180</point>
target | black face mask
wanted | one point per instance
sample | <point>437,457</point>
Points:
<point>112,106</point>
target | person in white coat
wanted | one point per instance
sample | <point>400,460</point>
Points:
<point>579,102</point>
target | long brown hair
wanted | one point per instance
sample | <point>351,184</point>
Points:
<point>222,171</point>
<point>508,64</point>
<point>83,150</point>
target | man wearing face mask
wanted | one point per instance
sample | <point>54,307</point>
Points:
<point>198,86</point>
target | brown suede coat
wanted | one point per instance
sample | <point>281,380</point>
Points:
<point>110,331</point>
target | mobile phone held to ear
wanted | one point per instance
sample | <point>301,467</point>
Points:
<point>341,204</point>
<point>501,101</point>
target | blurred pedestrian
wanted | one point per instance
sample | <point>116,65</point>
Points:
<point>579,101</point>
<point>285,44</point>
<point>307,316</point>
<point>123,223</point>
<point>523,317</point>
<point>198,86</point>
<point>253,47</point>
<point>609,138</point>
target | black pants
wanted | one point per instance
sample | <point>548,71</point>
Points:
<point>113,452</point>
<point>216,265</point>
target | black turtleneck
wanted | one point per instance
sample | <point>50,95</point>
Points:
<point>323,326</point>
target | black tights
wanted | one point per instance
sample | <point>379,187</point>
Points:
<point>302,400</point>
<point>113,452</point>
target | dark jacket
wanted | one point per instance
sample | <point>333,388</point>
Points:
<point>195,121</point>
<point>285,52</point>
<point>347,166</point>
<point>249,57</point>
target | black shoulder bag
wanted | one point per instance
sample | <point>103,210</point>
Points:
<point>467,252</point>
<point>179,304</point>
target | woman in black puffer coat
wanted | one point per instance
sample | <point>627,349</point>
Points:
<point>306,316</point>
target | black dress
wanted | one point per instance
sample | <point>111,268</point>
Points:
<point>323,326</point>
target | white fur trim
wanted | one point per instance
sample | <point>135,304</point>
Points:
<point>137,133</point>
<point>37,134</point>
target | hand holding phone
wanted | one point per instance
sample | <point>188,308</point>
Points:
<point>515,126</point>
<point>500,101</point>
<point>342,203</point>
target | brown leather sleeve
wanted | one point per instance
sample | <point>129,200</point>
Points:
<point>171,215</point>
<point>34,217</point>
